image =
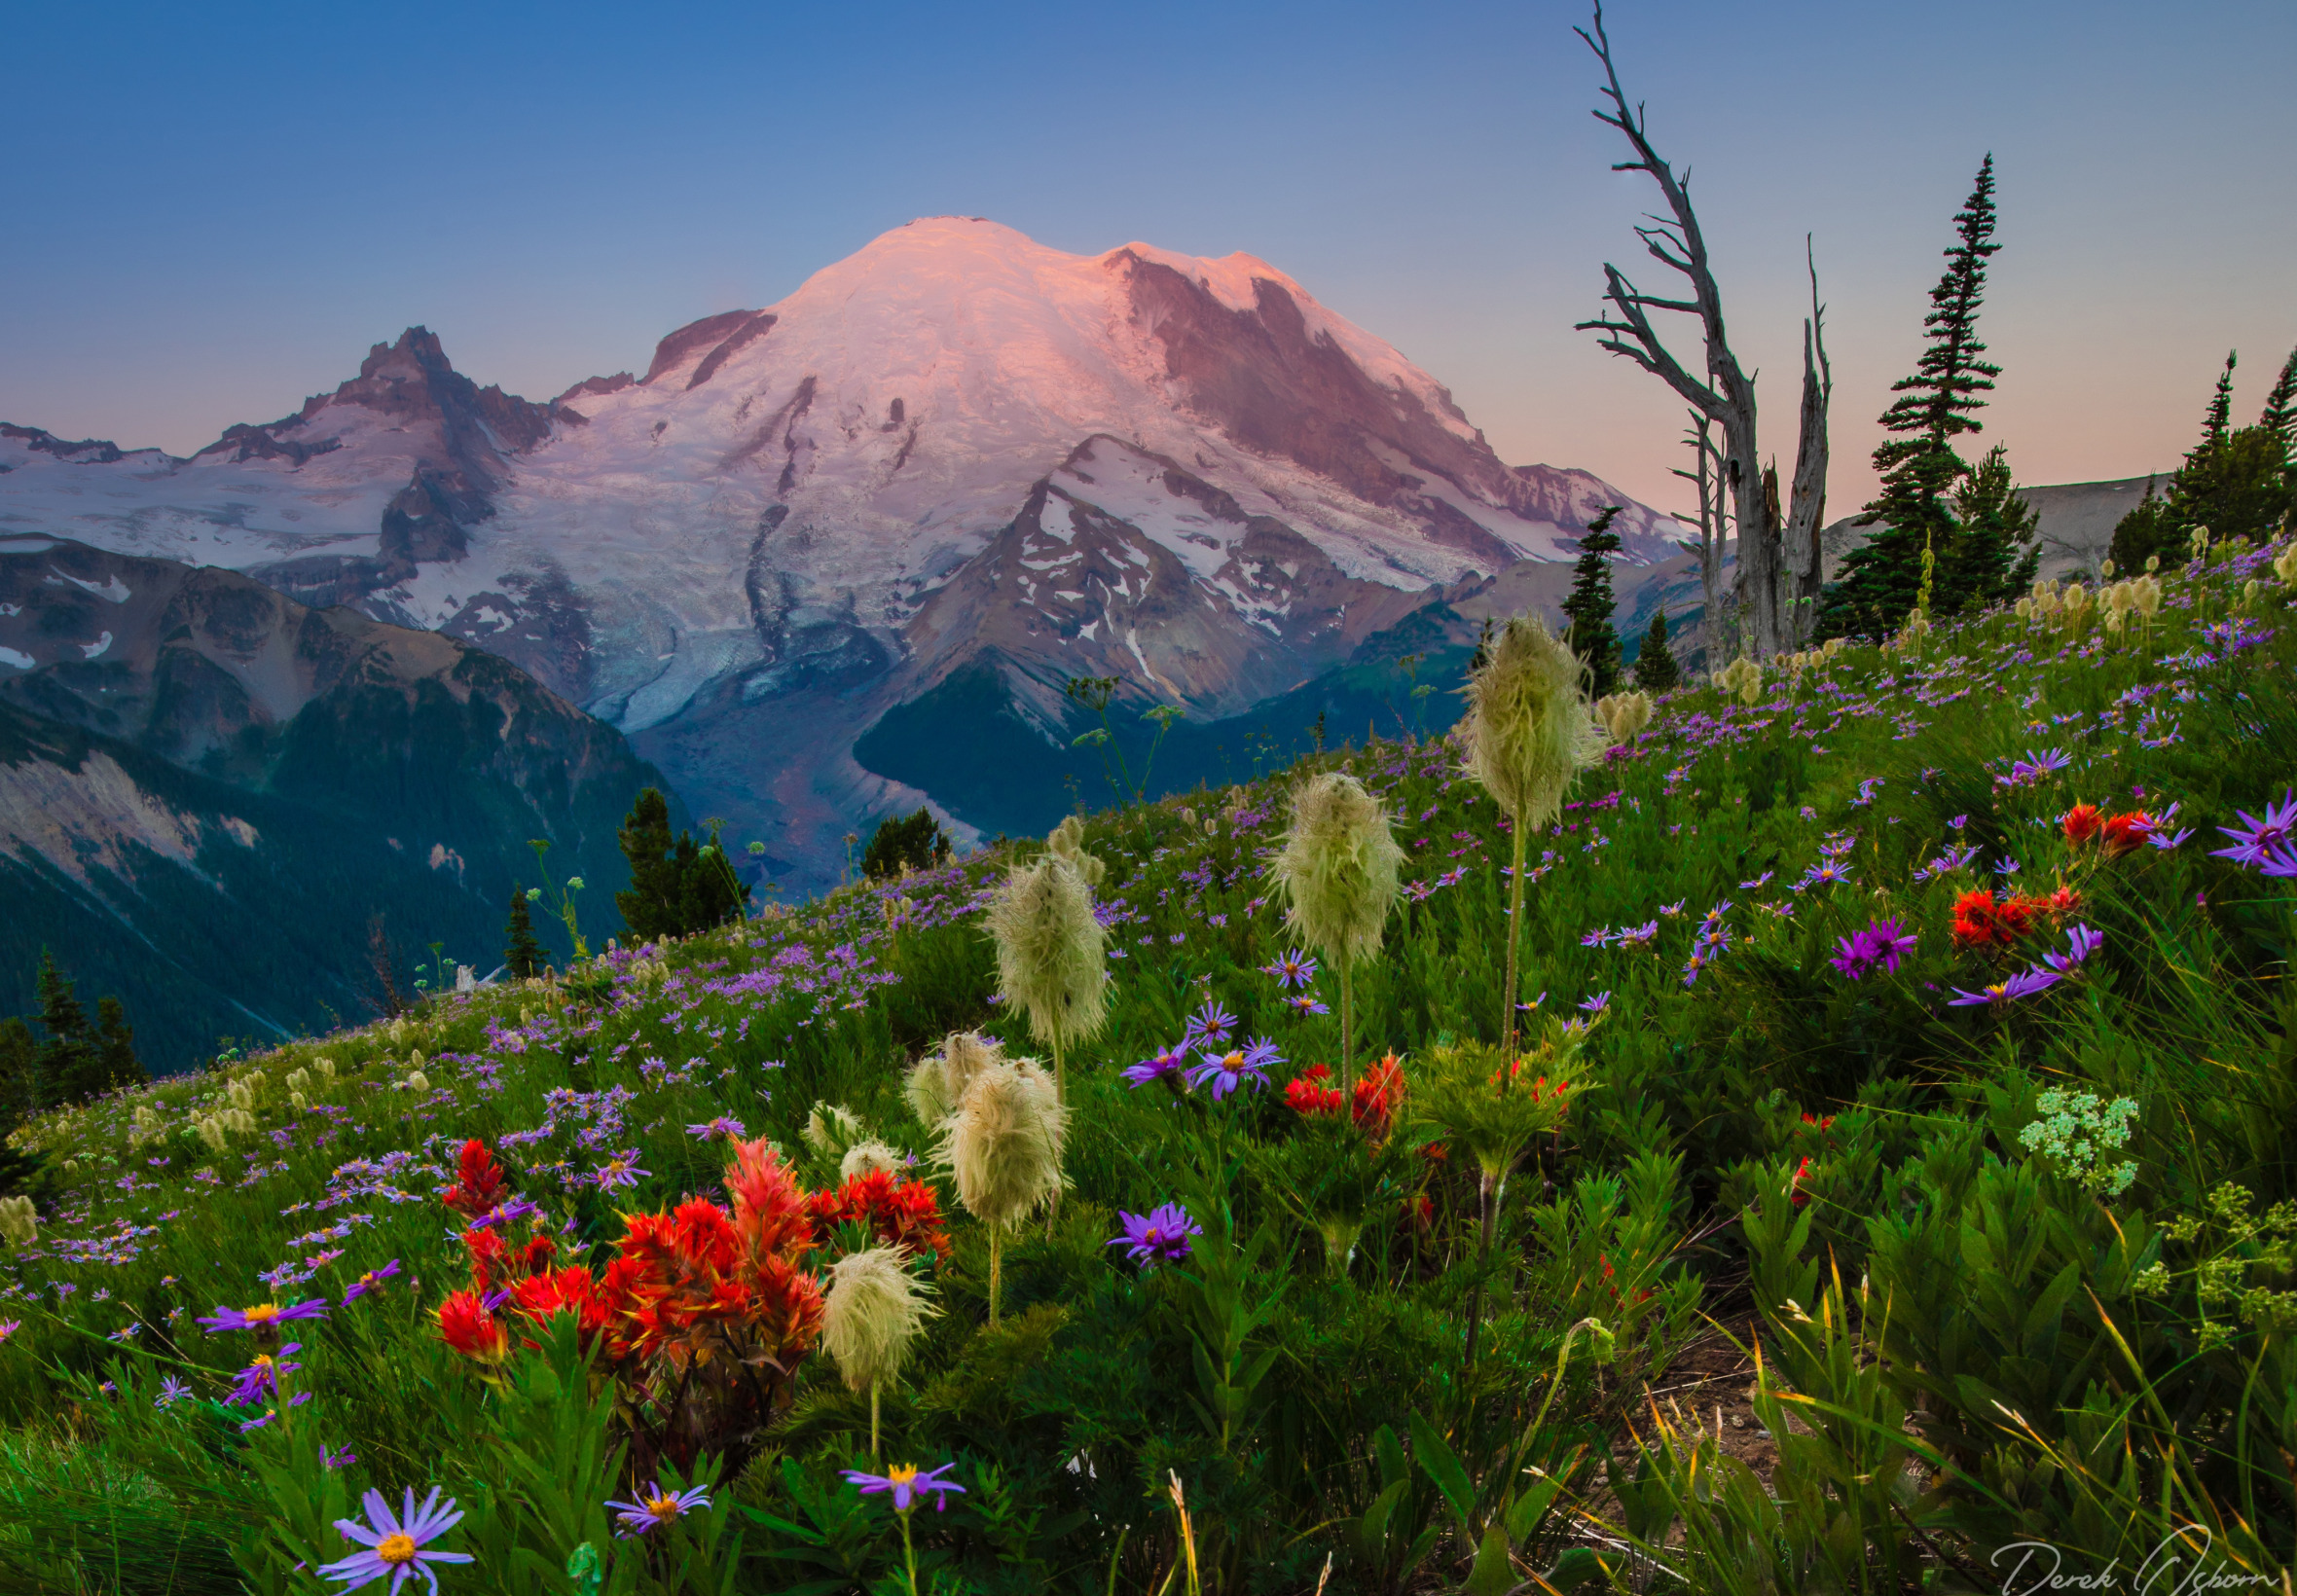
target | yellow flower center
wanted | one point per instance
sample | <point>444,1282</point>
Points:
<point>263,1313</point>
<point>1233,1062</point>
<point>663,1506</point>
<point>901,1474</point>
<point>395,1548</point>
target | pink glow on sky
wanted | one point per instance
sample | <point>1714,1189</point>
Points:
<point>207,225</point>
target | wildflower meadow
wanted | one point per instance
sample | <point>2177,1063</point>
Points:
<point>1369,1178</point>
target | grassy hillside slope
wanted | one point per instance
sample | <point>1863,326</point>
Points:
<point>2082,1300</point>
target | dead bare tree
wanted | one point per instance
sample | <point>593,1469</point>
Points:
<point>1727,396</point>
<point>1712,528</point>
<point>1807,512</point>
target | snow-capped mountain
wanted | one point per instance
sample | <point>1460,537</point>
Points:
<point>955,445</point>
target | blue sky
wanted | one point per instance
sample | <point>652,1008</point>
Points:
<point>211,213</point>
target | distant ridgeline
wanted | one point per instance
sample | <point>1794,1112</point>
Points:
<point>247,817</point>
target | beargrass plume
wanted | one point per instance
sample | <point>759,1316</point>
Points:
<point>1528,732</point>
<point>1338,873</point>
<point>1051,958</point>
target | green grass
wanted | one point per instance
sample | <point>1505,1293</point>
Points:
<point>1842,1159</point>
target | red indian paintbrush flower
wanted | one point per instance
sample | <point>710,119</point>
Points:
<point>899,1212</point>
<point>468,1326</point>
<point>2082,822</point>
<point>478,1181</point>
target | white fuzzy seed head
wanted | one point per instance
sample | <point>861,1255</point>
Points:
<point>1528,729</point>
<point>872,1311</point>
<point>866,1158</point>
<point>1004,1142</point>
<point>1052,957</point>
<point>1338,867</point>
<point>939,1079</point>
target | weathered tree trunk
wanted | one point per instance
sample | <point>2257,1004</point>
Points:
<point>1711,533</point>
<point>1807,512</point>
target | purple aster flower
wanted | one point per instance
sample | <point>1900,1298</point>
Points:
<point>1823,875</point>
<point>720,1126</point>
<point>171,1391</point>
<point>659,1505</point>
<point>258,1381</point>
<point>1758,884</point>
<point>2264,838</point>
<point>2081,943</point>
<point>1209,1024</point>
<point>505,1213</point>
<point>2283,866</point>
<point>329,1459</point>
<point>2167,840</point>
<point>1305,1004</point>
<point>1595,1004</point>
<point>1890,942</point>
<point>1168,1066</point>
<point>1292,969</point>
<point>1159,1235</point>
<point>908,1485</point>
<point>2002,993</point>
<point>1226,1071</point>
<point>371,1281</point>
<point>621,1170</point>
<point>263,1317</point>
<point>397,1546</point>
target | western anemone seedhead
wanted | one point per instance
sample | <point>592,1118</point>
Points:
<point>1527,727</point>
<point>863,1157</point>
<point>1003,1143</point>
<point>873,1312</point>
<point>1050,957</point>
<point>1338,867</point>
<point>2285,567</point>
<point>939,1079</point>
<point>831,1128</point>
<point>1067,844</point>
<point>2148,596</point>
<point>1623,715</point>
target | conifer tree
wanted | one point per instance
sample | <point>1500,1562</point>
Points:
<point>2218,418</point>
<point>1589,610</point>
<point>1656,669</point>
<point>523,958</point>
<point>21,1094</point>
<point>676,887</point>
<point>1995,552</point>
<point>67,1055</point>
<point>116,1062</point>
<point>2281,406</point>
<point>1920,466</point>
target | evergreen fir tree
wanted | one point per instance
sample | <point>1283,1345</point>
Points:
<point>2237,483</point>
<point>67,1055</point>
<point>1920,466</point>
<point>524,959</point>
<point>116,1062</point>
<point>650,907</point>
<point>2218,418</point>
<point>1995,552</point>
<point>22,1093</point>
<point>1589,609</point>
<point>2281,406</point>
<point>1656,669</point>
<point>914,843</point>
<point>676,887</point>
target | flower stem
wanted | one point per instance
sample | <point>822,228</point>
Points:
<point>1347,1029</point>
<point>908,1553</point>
<point>1489,1195</point>
<point>874,1455</point>
<point>996,1260</point>
<point>1515,915</point>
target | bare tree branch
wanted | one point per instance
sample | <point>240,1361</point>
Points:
<point>1808,516</point>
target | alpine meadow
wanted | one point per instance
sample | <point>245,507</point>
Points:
<point>1201,989</point>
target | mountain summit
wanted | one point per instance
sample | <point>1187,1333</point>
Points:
<point>956,447</point>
